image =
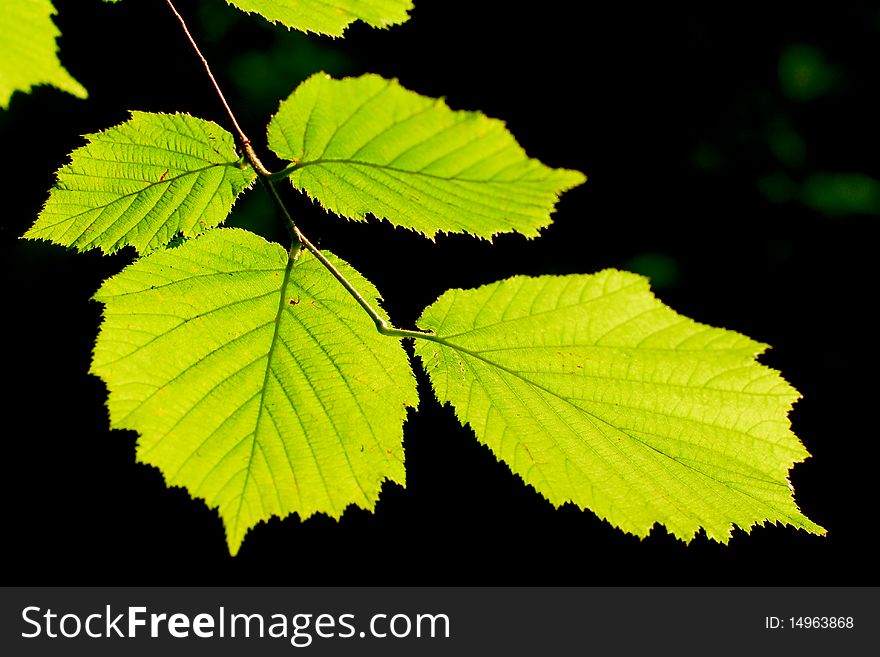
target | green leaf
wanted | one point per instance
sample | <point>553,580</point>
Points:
<point>367,145</point>
<point>28,52</point>
<point>143,182</point>
<point>328,16</point>
<point>261,387</point>
<point>596,393</point>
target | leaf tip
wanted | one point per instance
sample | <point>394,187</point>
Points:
<point>235,540</point>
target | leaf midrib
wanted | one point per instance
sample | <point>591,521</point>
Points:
<point>291,259</point>
<point>297,166</point>
<point>167,181</point>
<point>553,393</point>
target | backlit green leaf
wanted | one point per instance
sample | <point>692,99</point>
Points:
<point>596,393</point>
<point>261,387</point>
<point>28,51</point>
<point>143,182</point>
<point>328,16</point>
<point>367,145</point>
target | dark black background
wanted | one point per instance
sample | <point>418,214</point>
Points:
<point>633,95</point>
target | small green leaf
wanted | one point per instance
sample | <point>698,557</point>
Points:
<point>367,145</point>
<point>28,51</point>
<point>596,393</point>
<point>328,16</point>
<point>143,182</point>
<point>258,384</point>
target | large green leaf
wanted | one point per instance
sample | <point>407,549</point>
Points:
<point>367,145</point>
<point>143,182</point>
<point>258,384</point>
<point>328,16</point>
<point>28,52</point>
<point>596,393</point>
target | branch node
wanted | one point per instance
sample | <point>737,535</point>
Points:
<point>298,240</point>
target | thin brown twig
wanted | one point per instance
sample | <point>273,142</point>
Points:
<point>242,138</point>
<point>267,178</point>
